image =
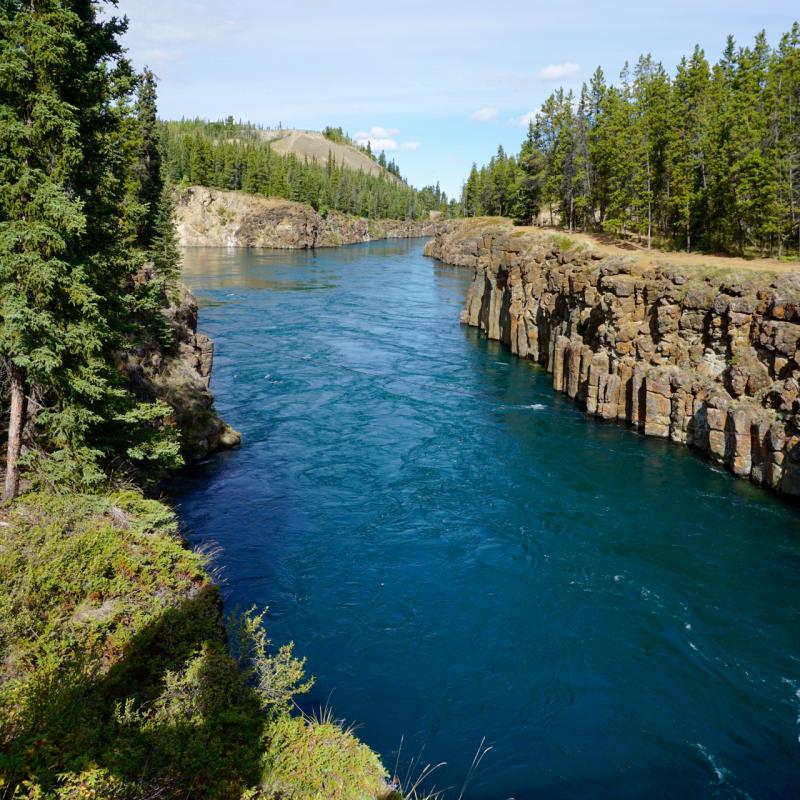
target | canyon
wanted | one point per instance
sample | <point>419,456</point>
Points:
<point>701,355</point>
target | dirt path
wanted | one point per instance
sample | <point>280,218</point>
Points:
<point>606,243</point>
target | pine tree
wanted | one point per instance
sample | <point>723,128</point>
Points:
<point>651,96</point>
<point>689,146</point>
<point>470,200</point>
<point>67,231</point>
<point>148,168</point>
<point>164,250</point>
<point>527,190</point>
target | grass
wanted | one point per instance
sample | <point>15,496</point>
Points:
<point>117,678</point>
<point>562,242</point>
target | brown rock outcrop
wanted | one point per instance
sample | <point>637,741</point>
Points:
<point>217,218</point>
<point>180,375</point>
<point>709,363</point>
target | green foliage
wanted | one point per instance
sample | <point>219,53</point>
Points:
<point>237,157</point>
<point>115,677</point>
<point>277,678</point>
<point>318,760</point>
<point>147,167</point>
<point>164,251</point>
<point>336,135</point>
<point>709,158</point>
<point>529,180</point>
<point>563,243</point>
<point>79,178</point>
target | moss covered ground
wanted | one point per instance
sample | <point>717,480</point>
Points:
<point>119,680</point>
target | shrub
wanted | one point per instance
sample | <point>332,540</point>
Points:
<point>319,760</point>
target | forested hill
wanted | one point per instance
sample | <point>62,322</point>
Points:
<point>706,158</point>
<point>340,177</point>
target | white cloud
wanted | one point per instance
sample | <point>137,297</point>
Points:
<point>524,120</point>
<point>485,115</point>
<point>376,145</point>
<point>160,34</point>
<point>383,133</point>
<point>557,72</point>
<point>380,138</point>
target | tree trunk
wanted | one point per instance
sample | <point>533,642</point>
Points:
<point>15,425</point>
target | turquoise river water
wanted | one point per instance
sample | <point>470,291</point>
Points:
<point>463,556</point>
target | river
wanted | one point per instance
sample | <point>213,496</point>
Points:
<point>463,556</point>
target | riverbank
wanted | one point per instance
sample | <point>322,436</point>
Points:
<point>120,677</point>
<point>702,354</point>
<point>217,218</point>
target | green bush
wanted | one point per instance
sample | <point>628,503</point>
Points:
<point>319,760</point>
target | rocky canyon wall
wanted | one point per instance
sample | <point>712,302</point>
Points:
<point>216,218</point>
<point>179,374</point>
<point>706,359</point>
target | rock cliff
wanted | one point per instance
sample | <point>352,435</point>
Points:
<point>706,358</point>
<point>216,218</point>
<point>179,375</point>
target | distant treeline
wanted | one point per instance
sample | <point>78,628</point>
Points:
<point>709,158</point>
<point>237,156</point>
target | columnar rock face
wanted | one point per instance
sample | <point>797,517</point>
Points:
<point>216,218</point>
<point>679,354</point>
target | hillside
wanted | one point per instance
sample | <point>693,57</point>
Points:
<point>293,165</point>
<point>316,147</point>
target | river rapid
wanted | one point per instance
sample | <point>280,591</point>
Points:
<point>463,556</point>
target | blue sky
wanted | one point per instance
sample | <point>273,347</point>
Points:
<point>438,84</point>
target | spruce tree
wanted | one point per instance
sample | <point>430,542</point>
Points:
<point>148,167</point>
<point>527,190</point>
<point>67,235</point>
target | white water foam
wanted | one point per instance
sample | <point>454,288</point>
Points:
<point>723,775</point>
<point>719,770</point>
<point>796,689</point>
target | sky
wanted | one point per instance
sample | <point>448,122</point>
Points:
<point>437,84</point>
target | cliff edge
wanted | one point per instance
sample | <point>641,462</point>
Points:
<point>179,373</point>
<point>704,356</point>
<point>216,218</point>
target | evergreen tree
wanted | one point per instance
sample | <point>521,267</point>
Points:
<point>709,159</point>
<point>471,194</point>
<point>148,168</point>
<point>66,284</point>
<point>527,192</point>
<point>164,250</point>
